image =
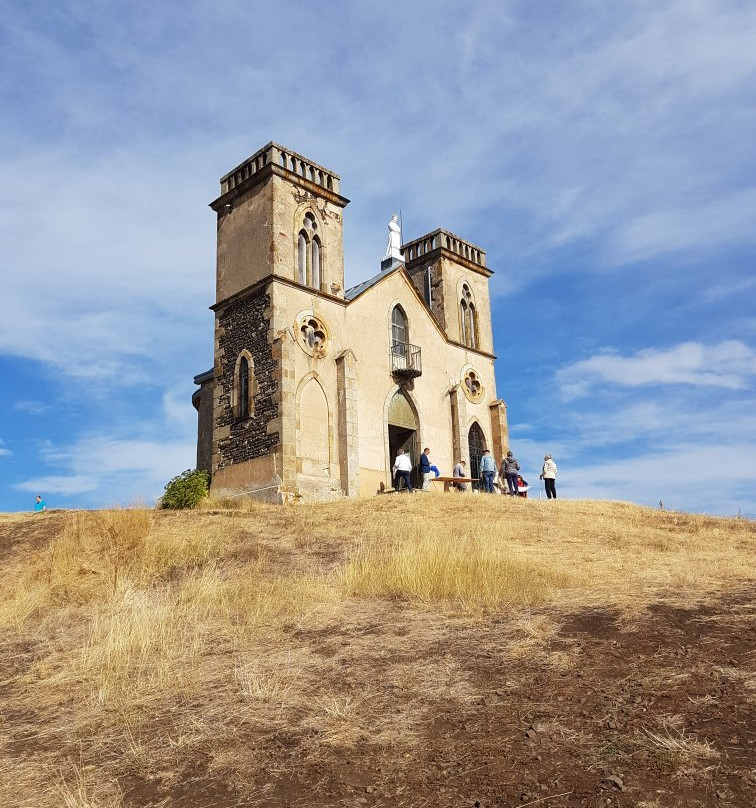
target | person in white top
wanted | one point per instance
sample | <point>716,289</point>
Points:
<point>548,475</point>
<point>401,470</point>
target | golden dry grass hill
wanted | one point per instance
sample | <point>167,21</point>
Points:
<point>434,650</point>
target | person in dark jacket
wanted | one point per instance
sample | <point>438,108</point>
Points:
<point>425,468</point>
<point>509,469</point>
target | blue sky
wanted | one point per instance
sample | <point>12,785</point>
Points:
<point>601,152</point>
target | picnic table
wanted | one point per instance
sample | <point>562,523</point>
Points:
<point>449,482</point>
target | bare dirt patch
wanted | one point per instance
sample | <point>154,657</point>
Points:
<point>608,694</point>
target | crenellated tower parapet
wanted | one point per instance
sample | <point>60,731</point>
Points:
<point>274,155</point>
<point>440,241</point>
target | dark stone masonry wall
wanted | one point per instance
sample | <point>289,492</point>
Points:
<point>243,324</point>
<point>417,275</point>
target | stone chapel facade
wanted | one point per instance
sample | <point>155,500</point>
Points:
<point>313,386</point>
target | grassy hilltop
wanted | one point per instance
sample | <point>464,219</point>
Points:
<point>434,650</point>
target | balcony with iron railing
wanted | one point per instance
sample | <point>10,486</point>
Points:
<point>406,360</point>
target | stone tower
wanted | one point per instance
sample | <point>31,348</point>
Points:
<point>279,245</point>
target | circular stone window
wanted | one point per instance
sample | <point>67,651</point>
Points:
<point>312,335</point>
<point>472,386</point>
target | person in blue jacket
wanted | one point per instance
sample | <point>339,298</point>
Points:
<point>425,468</point>
<point>487,471</point>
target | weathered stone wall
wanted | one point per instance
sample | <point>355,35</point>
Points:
<point>417,274</point>
<point>243,324</point>
<point>244,234</point>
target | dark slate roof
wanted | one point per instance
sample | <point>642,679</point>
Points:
<point>204,377</point>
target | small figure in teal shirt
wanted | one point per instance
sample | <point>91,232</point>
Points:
<point>40,504</point>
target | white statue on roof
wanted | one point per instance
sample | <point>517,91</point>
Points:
<point>393,248</point>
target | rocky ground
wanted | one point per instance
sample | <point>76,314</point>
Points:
<point>657,712</point>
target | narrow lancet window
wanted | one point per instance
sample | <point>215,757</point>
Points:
<point>471,330</point>
<point>302,258</point>
<point>244,388</point>
<point>315,263</point>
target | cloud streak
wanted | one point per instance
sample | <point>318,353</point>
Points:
<point>730,365</point>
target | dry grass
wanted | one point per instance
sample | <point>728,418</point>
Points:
<point>468,572</point>
<point>201,623</point>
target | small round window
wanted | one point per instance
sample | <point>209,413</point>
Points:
<point>312,335</point>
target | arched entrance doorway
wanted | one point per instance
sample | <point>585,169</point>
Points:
<point>477,443</point>
<point>402,430</point>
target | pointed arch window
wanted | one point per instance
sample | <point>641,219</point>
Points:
<point>468,324</point>
<point>302,259</point>
<point>399,329</point>
<point>245,388</point>
<point>309,254</point>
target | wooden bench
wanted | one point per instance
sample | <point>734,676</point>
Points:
<point>449,482</point>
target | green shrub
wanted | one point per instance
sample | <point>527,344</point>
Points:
<point>187,490</point>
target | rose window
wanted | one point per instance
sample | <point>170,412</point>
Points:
<point>313,335</point>
<point>472,386</point>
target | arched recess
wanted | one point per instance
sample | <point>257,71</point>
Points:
<point>244,388</point>
<point>401,427</point>
<point>314,428</point>
<point>476,441</point>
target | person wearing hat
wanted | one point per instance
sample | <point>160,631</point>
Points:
<point>548,475</point>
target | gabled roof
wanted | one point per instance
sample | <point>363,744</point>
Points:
<point>355,291</point>
<point>350,295</point>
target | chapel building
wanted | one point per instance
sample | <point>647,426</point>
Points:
<point>314,387</point>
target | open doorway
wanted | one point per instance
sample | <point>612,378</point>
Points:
<point>477,443</point>
<point>402,432</point>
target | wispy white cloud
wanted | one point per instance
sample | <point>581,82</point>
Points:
<point>117,470</point>
<point>709,478</point>
<point>701,224</point>
<point>130,463</point>
<point>729,365</point>
<point>32,407</point>
<point>59,484</point>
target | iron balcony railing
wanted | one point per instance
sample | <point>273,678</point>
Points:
<point>406,359</point>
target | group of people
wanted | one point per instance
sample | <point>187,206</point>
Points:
<point>509,471</point>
